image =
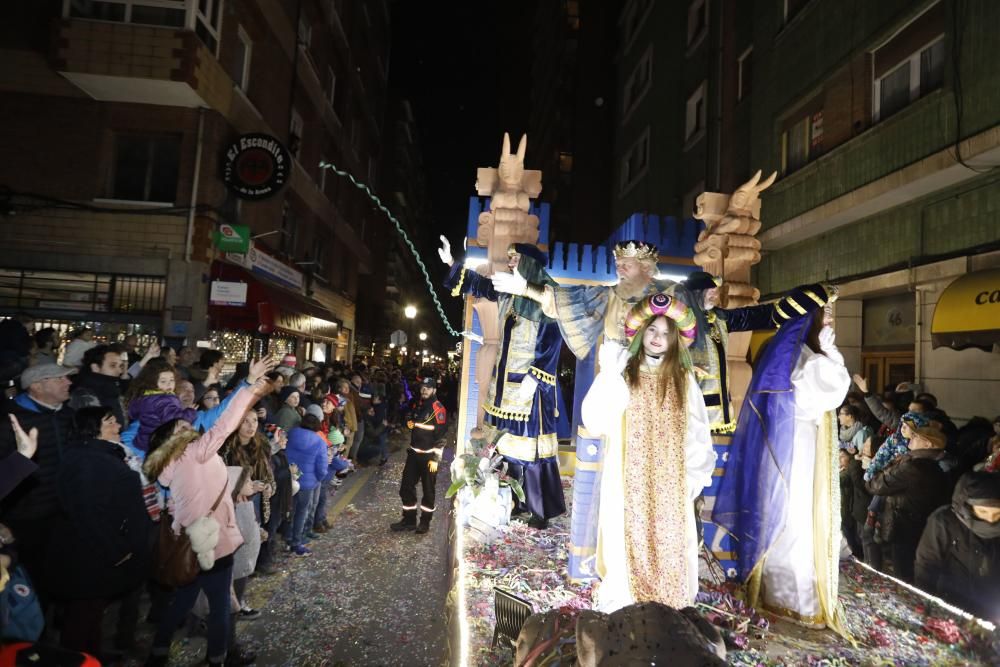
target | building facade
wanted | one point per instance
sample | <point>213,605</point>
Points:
<point>882,121</point>
<point>571,115</point>
<point>117,120</point>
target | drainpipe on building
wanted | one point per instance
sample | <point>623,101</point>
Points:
<point>717,185</point>
<point>918,356</point>
<point>194,186</point>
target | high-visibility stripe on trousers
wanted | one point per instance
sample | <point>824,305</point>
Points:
<point>418,470</point>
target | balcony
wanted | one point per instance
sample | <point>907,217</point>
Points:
<point>143,51</point>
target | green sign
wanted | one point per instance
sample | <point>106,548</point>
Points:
<point>232,238</point>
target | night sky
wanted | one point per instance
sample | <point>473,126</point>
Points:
<point>463,66</point>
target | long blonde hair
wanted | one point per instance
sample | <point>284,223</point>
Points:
<point>671,376</point>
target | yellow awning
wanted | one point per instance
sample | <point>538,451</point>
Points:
<point>968,312</point>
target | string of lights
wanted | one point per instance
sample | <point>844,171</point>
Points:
<point>406,239</point>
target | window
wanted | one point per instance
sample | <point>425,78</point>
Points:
<point>565,162</point>
<point>694,123</point>
<point>632,19</point>
<point>635,162</point>
<point>168,13</point>
<point>145,168</point>
<point>573,14</point>
<point>918,74</point>
<point>744,74</point>
<point>697,22</point>
<point>289,236</point>
<point>305,33</point>
<point>910,63</point>
<point>638,84</point>
<point>802,140</point>
<point>208,20</point>
<point>244,49</point>
<point>295,133</point>
<point>793,7</point>
<point>690,200</point>
<point>322,253</point>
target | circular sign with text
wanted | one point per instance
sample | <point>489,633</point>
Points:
<point>256,166</point>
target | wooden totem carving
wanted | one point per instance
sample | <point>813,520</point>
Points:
<point>510,188</point>
<point>727,248</point>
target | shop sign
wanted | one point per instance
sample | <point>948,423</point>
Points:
<point>306,324</point>
<point>225,293</point>
<point>232,238</point>
<point>259,262</point>
<point>256,166</point>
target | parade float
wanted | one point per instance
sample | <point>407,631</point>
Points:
<point>505,571</point>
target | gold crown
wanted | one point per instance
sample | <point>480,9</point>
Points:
<point>636,249</point>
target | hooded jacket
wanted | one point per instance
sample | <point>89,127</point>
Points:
<point>307,450</point>
<point>153,410</point>
<point>958,557</point>
<point>190,465</point>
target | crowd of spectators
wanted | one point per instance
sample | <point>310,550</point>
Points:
<point>920,496</point>
<point>103,447</point>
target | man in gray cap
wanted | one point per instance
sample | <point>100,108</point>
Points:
<point>39,413</point>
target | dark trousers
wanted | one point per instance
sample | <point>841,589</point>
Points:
<point>216,583</point>
<point>849,527</point>
<point>268,548</point>
<point>872,549</point>
<point>904,553</point>
<point>81,625</point>
<point>319,516</point>
<point>417,470</point>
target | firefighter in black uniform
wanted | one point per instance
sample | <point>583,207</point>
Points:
<point>428,422</point>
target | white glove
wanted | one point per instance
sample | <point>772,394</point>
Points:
<point>444,252</point>
<point>612,357</point>
<point>473,337</point>
<point>826,337</point>
<point>526,392</point>
<point>510,283</point>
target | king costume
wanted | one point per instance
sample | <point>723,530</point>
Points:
<point>780,492</point>
<point>521,398</point>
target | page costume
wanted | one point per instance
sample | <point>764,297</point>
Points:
<point>708,353</point>
<point>658,457</point>
<point>529,348</point>
<point>780,491</point>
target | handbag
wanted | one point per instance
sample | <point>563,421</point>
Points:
<point>175,563</point>
<point>21,615</point>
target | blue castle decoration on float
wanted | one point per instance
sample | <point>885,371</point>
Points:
<point>594,264</point>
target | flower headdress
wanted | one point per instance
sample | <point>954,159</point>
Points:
<point>654,306</point>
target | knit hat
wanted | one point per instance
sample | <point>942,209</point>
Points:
<point>915,419</point>
<point>315,411</point>
<point>286,392</point>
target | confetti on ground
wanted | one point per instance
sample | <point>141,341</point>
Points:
<point>891,624</point>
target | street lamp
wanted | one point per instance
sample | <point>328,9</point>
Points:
<point>410,312</point>
<point>422,336</point>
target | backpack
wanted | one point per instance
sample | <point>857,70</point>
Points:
<point>21,615</point>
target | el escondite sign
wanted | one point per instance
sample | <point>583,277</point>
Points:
<point>256,166</point>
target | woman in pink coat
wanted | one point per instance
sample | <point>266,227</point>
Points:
<point>188,464</point>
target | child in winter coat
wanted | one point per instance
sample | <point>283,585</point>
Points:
<point>152,402</point>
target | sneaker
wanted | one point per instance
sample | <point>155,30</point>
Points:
<point>400,526</point>
<point>312,535</point>
<point>383,462</point>
<point>300,550</point>
<point>422,528</point>
<point>267,570</point>
<point>320,528</point>
<point>248,614</point>
<point>538,522</point>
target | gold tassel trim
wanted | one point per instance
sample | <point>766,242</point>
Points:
<point>723,428</point>
<point>547,378</point>
<point>458,288</point>
<point>506,414</point>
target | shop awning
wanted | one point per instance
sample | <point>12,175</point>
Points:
<point>968,312</point>
<point>275,308</point>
